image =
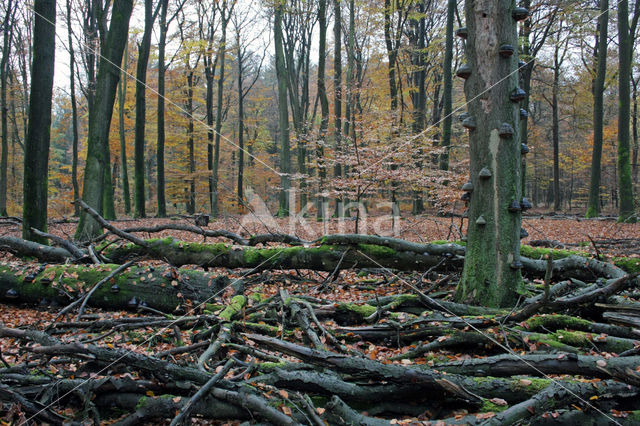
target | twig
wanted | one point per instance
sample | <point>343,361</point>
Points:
<point>86,296</point>
<point>113,229</point>
<point>595,247</point>
<point>204,390</point>
<point>547,279</point>
<point>67,245</point>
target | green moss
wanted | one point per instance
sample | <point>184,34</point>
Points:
<point>376,250</point>
<point>271,365</point>
<point>629,264</point>
<point>234,308</point>
<point>490,407</point>
<point>361,310</point>
<point>554,322</point>
<point>141,402</point>
<point>578,339</point>
<point>541,252</point>
<point>536,385</point>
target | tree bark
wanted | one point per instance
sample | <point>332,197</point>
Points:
<point>224,16</point>
<point>122,99</point>
<point>36,150</point>
<point>160,184</point>
<point>625,185</point>
<point>593,206</point>
<point>324,110</point>
<point>7,34</point>
<point>447,87</point>
<point>283,120</point>
<point>164,288</point>
<point>492,273</point>
<point>100,118</point>
<point>141,80</point>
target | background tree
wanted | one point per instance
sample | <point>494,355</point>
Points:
<point>7,35</point>
<point>593,206</point>
<point>625,185</point>
<point>36,165</point>
<point>100,117</point>
<point>225,14</point>
<point>144,48</point>
<point>283,112</point>
<point>492,264</point>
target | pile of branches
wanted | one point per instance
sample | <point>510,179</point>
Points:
<point>220,349</point>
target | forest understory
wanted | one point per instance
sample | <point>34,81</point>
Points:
<point>165,322</point>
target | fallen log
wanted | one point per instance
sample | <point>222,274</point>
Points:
<point>161,288</point>
<point>622,368</point>
<point>371,369</point>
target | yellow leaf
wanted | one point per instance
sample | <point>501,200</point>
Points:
<point>149,393</point>
<point>593,398</point>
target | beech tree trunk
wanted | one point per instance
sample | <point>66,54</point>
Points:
<point>36,150</point>
<point>124,173</point>
<point>141,107</point>
<point>448,87</point>
<point>593,207</point>
<point>625,185</point>
<point>4,110</point>
<point>162,205</point>
<point>492,273</point>
<point>100,117</point>
<point>285,152</point>
<point>224,16</point>
<point>324,109</point>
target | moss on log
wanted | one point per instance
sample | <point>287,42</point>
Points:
<point>319,258</point>
<point>161,288</point>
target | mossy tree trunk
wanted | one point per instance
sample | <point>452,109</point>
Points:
<point>36,150</point>
<point>625,186</point>
<point>593,207</point>
<point>492,274</point>
<point>100,117</point>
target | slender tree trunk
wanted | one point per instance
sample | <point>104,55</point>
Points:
<point>240,184</point>
<point>555,129</point>
<point>122,98</point>
<point>219,107</point>
<point>4,77</point>
<point>36,150</point>
<point>420,104</point>
<point>525,78</point>
<point>141,107</point>
<point>324,109</point>
<point>162,207</point>
<point>337,100</point>
<point>74,113</point>
<point>634,132</point>
<point>285,154</point>
<point>448,87</point>
<point>100,117</point>
<point>492,274</point>
<point>593,206</point>
<point>191,203</point>
<point>625,186</point>
<point>391,56</point>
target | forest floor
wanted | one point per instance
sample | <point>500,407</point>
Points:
<point>323,313</point>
